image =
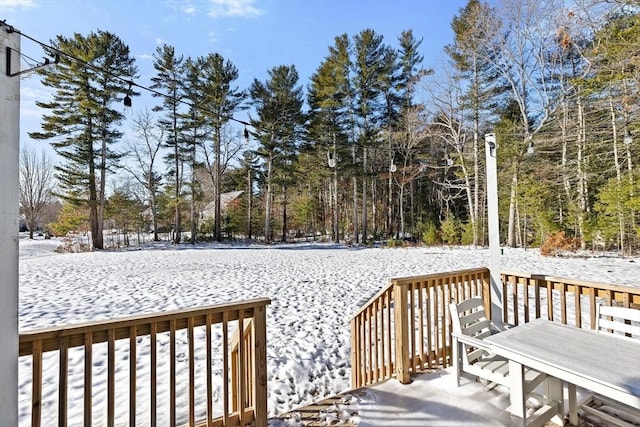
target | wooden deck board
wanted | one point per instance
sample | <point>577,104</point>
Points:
<point>322,412</point>
<point>315,415</point>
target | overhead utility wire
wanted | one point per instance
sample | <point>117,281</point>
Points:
<point>131,83</point>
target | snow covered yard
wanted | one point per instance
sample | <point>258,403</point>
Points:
<point>314,289</point>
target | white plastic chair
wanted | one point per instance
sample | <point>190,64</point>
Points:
<point>472,355</point>
<point>623,323</point>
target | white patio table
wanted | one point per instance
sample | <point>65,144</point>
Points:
<point>598,362</point>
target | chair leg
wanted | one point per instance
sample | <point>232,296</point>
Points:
<point>455,356</point>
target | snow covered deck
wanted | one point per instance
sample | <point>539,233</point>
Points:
<point>430,399</point>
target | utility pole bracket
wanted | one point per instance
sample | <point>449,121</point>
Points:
<point>47,61</point>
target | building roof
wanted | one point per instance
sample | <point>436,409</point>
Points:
<point>225,199</point>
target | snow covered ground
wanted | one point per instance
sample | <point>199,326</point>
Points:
<point>314,288</point>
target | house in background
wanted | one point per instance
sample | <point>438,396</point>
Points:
<point>207,215</point>
<point>226,200</point>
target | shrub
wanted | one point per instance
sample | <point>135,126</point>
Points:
<point>467,234</point>
<point>394,243</point>
<point>451,231</point>
<point>557,244</point>
<point>430,235</point>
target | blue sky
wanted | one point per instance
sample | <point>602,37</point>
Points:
<point>256,35</point>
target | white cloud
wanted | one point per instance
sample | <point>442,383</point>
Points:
<point>241,8</point>
<point>189,10</point>
<point>34,93</point>
<point>212,37</point>
<point>145,56</point>
<point>17,4</point>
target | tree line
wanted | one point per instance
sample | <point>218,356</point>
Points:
<point>375,145</point>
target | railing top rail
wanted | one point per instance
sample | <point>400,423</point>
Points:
<point>577,282</point>
<point>411,279</point>
<point>101,325</point>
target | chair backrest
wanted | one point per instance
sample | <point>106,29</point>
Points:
<point>468,318</point>
<point>620,321</point>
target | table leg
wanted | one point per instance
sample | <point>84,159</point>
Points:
<point>573,404</point>
<point>555,395</point>
<point>516,394</point>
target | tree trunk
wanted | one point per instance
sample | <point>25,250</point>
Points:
<point>566,180</point>
<point>284,214</point>
<point>582,176</point>
<point>364,197</point>
<point>192,205</point>
<point>616,159</point>
<point>249,202</point>
<point>356,230</point>
<point>476,186</point>
<point>336,225</point>
<point>217,189</point>
<point>513,198</point>
<point>267,209</point>
<point>176,153</point>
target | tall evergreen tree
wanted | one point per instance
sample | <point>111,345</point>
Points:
<point>169,73</point>
<point>411,74</point>
<point>221,99</point>
<point>192,123</point>
<point>370,54</point>
<point>278,128</point>
<point>82,118</point>
<point>473,53</point>
<point>330,103</point>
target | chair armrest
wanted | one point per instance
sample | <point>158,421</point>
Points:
<point>478,343</point>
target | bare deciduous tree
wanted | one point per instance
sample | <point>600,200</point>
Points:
<point>144,153</point>
<point>36,186</point>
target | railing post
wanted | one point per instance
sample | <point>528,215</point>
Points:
<point>260,371</point>
<point>401,315</point>
<point>486,291</point>
<point>355,367</point>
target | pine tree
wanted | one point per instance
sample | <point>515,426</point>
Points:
<point>329,99</point>
<point>82,118</point>
<point>194,132</point>
<point>475,30</point>
<point>221,100</point>
<point>170,73</point>
<point>370,54</point>
<point>278,129</point>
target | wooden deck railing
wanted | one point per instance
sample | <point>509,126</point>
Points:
<point>387,342</point>
<point>169,352</point>
<point>557,299</point>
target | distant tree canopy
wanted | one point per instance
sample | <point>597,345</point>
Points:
<point>375,145</point>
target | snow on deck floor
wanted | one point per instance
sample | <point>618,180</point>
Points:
<point>431,399</point>
<point>314,288</point>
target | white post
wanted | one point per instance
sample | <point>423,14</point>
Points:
<point>9,148</point>
<point>491,150</point>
